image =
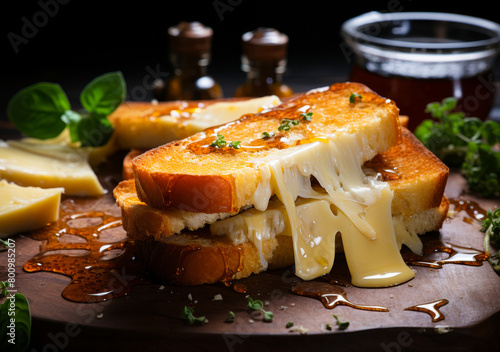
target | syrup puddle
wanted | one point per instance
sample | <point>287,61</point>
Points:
<point>331,296</point>
<point>431,308</point>
<point>456,255</point>
<point>105,270</point>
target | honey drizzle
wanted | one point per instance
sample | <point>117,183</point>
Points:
<point>431,308</point>
<point>94,278</point>
<point>472,209</point>
<point>330,295</point>
<point>456,255</point>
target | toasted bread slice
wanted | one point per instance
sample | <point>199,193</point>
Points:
<point>196,258</point>
<point>193,175</point>
<point>415,192</point>
<point>145,125</point>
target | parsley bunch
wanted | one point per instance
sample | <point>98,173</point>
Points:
<point>491,229</point>
<point>465,142</point>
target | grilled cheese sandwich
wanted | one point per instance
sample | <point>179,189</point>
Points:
<point>280,200</point>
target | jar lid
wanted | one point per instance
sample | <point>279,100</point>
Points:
<point>422,44</point>
<point>266,44</point>
<point>190,37</point>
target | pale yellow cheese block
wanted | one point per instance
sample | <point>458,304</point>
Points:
<point>48,166</point>
<point>27,208</point>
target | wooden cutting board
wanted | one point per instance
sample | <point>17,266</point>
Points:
<point>147,318</point>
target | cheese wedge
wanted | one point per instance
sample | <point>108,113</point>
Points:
<point>27,208</point>
<point>48,166</point>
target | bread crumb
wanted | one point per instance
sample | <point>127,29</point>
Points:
<point>99,316</point>
<point>300,328</point>
<point>251,321</point>
<point>190,297</point>
<point>292,304</point>
<point>217,297</point>
<point>161,287</point>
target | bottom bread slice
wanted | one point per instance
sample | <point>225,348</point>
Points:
<point>197,257</point>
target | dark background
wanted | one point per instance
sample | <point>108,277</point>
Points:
<point>77,40</point>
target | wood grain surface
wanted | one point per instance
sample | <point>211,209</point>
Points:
<point>147,319</point>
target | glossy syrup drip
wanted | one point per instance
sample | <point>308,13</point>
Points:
<point>471,208</point>
<point>431,308</point>
<point>456,255</point>
<point>99,270</point>
<point>330,295</point>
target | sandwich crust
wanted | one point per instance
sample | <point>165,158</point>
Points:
<point>192,175</point>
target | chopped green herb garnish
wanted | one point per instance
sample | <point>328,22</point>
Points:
<point>220,142</point>
<point>355,97</point>
<point>289,324</point>
<point>307,116</point>
<point>230,317</point>
<point>328,326</point>
<point>268,134</point>
<point>235,144</point>
<point>188,315</point>
<point>258,305</point>
<point>465,142</point>
<point>286,124</point>
<point>491,229</point>
<point>342,325</point>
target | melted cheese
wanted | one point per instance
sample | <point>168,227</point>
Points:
<point>350,203</point>
<point>48,166</point>
<point>26,208</point>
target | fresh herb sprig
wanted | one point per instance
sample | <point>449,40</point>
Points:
<point>43,110</point>
<point>258,306</point>
<point>465,142</point>
<point>188,315</point>
<point>491,229</point>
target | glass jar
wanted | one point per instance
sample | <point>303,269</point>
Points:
<point>415,58</point>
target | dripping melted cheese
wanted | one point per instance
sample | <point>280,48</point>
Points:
<point>348,202</point>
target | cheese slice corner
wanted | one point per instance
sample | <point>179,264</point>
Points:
<point>27,208</point>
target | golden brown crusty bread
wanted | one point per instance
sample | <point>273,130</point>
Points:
<point>144,125</point>
<point>415,191</point>
<point>192,175</point>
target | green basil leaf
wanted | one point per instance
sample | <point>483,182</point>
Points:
<point>15,324</point>
<point>36,110</point>
<point>104,93</point>
<point>72,119</point>
<point>93,130</point>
